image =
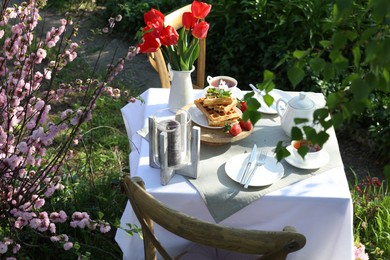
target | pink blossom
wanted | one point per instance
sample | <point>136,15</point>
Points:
<point>104,228</point>
<point>39,203</point>
<point>16,249</point>
<point>3,248</point>
<point>58,217</point>
<point>55,238</point>
<point>22,147</point>
<point>359,252</point>
<point>68,245</point>
<point>41,53</point>
<point>52,228</point>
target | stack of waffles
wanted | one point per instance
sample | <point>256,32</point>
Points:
<point>219,110</point>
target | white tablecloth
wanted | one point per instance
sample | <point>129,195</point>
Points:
<point>319,207</point>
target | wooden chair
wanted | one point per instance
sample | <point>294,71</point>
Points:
<point>157,60</point>
<point>272,245</point>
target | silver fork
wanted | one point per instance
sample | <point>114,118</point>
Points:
<point>259,162</point>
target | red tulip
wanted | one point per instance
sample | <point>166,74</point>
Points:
<point>149,43</point>
<point>188,20</point>
<point>200,30</point>
<point>200,10</point>
<point>153,16</point>
<point>169,36</point>
<point>154,28</point>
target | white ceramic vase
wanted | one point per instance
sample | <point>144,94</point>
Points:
<point>181,92</point>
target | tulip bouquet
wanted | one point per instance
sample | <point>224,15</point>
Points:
<point>179,49</point>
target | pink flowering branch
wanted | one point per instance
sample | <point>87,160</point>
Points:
<point>34,142</point>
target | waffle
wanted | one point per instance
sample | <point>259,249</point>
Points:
<point>214,101</point>
<point>218,118</point>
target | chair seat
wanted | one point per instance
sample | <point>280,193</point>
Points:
<point>201,252</point>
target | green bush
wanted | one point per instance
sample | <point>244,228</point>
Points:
<point>372,216</point>
<point>247,37</point>
<point>133,11</point>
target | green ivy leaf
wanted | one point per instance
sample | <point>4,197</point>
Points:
<point>325,44</point>
<point>360,89</point>
<point>328,72</point>
<point>281,151</point>
<point>299,121</point>
<point>295,75</point>
<point>300,54</point>
<point>253,115</point>
<point>296,133</point>
<point>317,65</point>
<point>339,40</point>
<point>268,99</point>
<point>322,137</point>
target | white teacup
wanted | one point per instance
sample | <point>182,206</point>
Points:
<point>313,154</point>
<point>230,82</point>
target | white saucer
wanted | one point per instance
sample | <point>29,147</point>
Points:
<point>276,94</point>
<point>200,119</point>
<point>265,175</point>
<point>308,165</point>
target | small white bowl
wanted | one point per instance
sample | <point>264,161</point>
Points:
<point>314,153</point>
<point>230,82</point>
<point>214,81</point>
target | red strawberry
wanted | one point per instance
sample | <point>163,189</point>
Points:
<point>235,129</point>
<point>243,106</point>
<point>246,125</point>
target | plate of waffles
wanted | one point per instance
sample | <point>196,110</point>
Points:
<point>212,114</point>
<point>200,119</point>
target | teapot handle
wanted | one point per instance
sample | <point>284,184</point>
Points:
<point>209,79</point>
<point>281,112</point>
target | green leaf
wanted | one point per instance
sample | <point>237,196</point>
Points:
<point>322,137</point>
<point>300,54</point>
<point>281,151</point>
<point>296,133</point>
<point>317,65</point>
<point>343,6</point>
<point>268,99</point>
<point>356,56</point>
<point>325,44</point>
<point>295,75</point>
<point>299,121</point>
<point>303,150</point>
<point>339,40</point>
<point>253,104</point>
<point>268,75</point>
<point>253,115</point>
<point>360,89</point>
<point>328,72</point>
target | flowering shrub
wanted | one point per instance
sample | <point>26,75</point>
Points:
<point>371,218</point>
<point>180,49</point>
<point>360,253</point>
<point>34,142</point>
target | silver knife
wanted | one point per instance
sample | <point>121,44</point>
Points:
<point>252,158</point>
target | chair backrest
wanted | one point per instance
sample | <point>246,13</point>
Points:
<point>157,60</point>
<point>273,245</point>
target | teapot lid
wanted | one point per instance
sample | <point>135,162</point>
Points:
<point>301,102</point>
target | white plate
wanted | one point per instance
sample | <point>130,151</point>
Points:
<point>270,172</point>
<point>276,94</point>
<point>322,160</point>
<point>200,119</point>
